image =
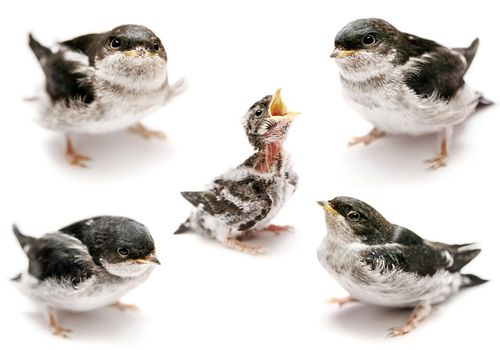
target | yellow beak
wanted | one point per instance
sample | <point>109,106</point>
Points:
<point>149,259</point>
<point>327,207</point>
<point>278,110</point>
<point>339,53</point>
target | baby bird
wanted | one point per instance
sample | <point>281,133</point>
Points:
<point>245,199</point>
<point>100,83</point>
<point>385,264</point>
<point>87,265</point>
<point>403,84</point>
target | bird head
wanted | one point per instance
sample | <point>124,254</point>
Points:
<point>268,120</point>
<point>351,220</point>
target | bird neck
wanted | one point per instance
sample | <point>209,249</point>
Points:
<point>268,155</point>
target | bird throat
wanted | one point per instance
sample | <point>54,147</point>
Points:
<point>267,156</point>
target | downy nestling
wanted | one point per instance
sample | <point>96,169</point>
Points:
<point>245,199</point>
<point>403,84</point>
<point>87,265</point>
<point>385,264</point>
<point>100,83</point>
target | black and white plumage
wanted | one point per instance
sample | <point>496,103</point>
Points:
<point>245,199</point>
<point>87,265</point>
<point>385,264</point>
<point>99,83</point>
<point>403,84</point>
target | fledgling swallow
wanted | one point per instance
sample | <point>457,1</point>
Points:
<point>245,199</point>
<point>100,83</point>
<point>87,265</point>
<point>403,84</point>
<point>385,264</point>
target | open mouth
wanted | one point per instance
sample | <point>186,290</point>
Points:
<point>278,110</point>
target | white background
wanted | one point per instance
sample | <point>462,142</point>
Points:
<point>206,296</point>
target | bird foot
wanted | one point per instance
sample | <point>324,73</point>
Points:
<point>73,157</point>
<point>421,311</point>
<point>342,301</point>
<point>437,162</point>
<point>368,138</point>
<point>277,230</point>
<point>236,244</point>
<point>124,307</point>
<point>57,329</point>
<point>146,133</point>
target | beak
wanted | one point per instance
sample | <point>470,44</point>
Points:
<point>149,259</point>
<point>339,53</point>
<point>278,110</point>
<point>327,207</point>
<point>139,51</point>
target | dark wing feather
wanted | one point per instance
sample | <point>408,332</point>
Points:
<point>63,81</point>
<point>440,73</point>
<point>85,44</point>
<point>61,257</point>
<point>235,209</point>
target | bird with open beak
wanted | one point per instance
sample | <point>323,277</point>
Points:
<point>87,265</point>
<point>380,263</point>
<point>244,200</point>
<point>403,84</point>
<point>100,83</point>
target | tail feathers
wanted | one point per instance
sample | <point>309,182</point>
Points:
<point>16,278</point>
<point>24,241</point>
<point>469,280</point>
<point>38,49</point>
<point>483,102</point>
<point>183,228</point>
<point>463,254</point>
<point>469,52</point>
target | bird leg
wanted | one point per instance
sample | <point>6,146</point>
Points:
<point>342,301</point>
<point>124,307</point>
<point>236,244</point>
<point>368,138</point>
<point>56,328</point>
<point>421,311</point>
<point>276,229</point>
<point>442,157</point>
<point>73,157</point>
<point>146,133</point>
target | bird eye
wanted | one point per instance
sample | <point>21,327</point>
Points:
<point>123,252</point>
<point>353,216</point>
<point>115,43</point>
<point>155,46</point>
<point>368,40</point>
<point>258,112</point>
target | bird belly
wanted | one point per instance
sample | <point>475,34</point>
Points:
<point>400,289</point>
<point>96,292</point>
<point>109,112</point>
<point>395,109</point>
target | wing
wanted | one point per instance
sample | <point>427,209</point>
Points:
<point>85,44</point>
<point>408,252</point>
<point>438,71</point>
<point>66,80</point>
<point>241,203</point>
<point>62,257</point>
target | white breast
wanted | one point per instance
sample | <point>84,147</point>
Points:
<point>394,289</point>
<point>98,291</point>
<point>390,105</point>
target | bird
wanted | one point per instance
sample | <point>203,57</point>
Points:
<point>404,84</point>
<point>103,82</point>
<point>87,265</point>
<point>244,200</point>
<point>384,264</point>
